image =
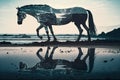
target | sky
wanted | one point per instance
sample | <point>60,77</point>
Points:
<point>106,15</point>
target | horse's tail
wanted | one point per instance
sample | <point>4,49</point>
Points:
<point>92,27</point>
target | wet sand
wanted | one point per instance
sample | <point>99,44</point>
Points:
<point>103,43</point>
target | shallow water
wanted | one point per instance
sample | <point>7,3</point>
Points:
<point>64,63</point>
<point>33,38</point>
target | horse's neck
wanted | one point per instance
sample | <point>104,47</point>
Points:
<point>29,11</point>
<point>36,13</point>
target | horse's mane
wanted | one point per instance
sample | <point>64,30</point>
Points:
<point>36,6</point>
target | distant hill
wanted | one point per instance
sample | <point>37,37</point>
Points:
<point>114,34</point>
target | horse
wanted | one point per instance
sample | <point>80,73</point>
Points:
<point>48,16</point>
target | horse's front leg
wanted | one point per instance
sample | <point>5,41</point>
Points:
<point>38,55</point>
<point>52,52</point>
<point>47,32</point>
<point>47,52</point>
<point>37,30</point>
<point>50,27</point>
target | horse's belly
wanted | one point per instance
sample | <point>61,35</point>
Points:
<point>62,19</point>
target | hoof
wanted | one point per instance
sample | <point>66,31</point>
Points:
<point>55,47</point>
<point>49,47</point>
<point>40,49</point>
<point>55,41</point>
<point>40,37</point>
<point>89,40</point>
<point>70,41</point>
<point>77,41</point>
<point>47,41</point>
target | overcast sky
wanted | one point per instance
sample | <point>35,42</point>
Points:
<point>106,15</point>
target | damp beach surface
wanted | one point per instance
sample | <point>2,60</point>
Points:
<point>19,63</point>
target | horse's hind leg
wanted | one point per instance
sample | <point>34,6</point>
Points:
<point>51,29</point>
<point>87,29</point>
<point>80,31</point>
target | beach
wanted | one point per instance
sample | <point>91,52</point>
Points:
<point>27,57</point>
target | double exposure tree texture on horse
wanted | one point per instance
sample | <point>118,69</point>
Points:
<point>48,16</point>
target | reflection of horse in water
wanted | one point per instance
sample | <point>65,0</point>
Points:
<point>78,64</point>
<point>47,62</point>
<point>48,16</point>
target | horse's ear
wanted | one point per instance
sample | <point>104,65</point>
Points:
<point>17,8</point>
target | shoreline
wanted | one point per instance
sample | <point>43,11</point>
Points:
<point>94,43</point>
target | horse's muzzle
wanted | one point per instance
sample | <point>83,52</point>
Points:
<point>19,22</point>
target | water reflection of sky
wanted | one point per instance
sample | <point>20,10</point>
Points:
<point>106,59</point>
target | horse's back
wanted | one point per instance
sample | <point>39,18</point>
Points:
<point>78,10</point>
<point>73,10</point>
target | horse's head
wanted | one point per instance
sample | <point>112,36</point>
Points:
<point>21,15</point>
